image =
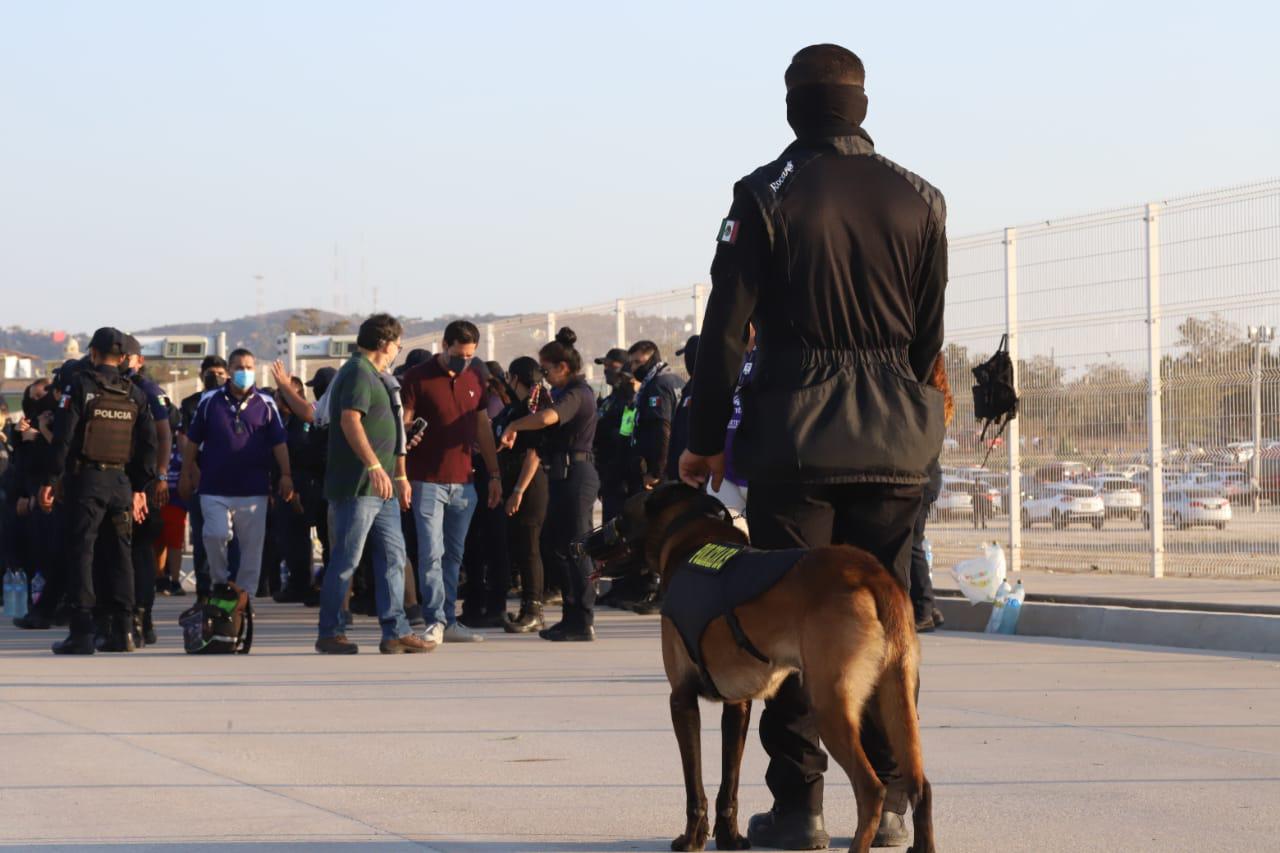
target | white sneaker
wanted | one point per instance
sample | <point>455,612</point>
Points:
<point>459,633</point>
<point>434,633</point>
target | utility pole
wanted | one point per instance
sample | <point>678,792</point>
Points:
<point>1259,338</point>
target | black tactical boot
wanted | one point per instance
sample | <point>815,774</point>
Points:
<point>527,621</point>
<point>74,644</point>
<point>798,830</point>
<point>120,636</point>
<point>148,628</point>
<point>135,630</point>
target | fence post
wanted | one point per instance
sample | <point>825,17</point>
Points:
<point>220,346</point>
<point>621,309</point>
<point>1154,414</point>
<point>699,306</point>
<point>490,346</point>
<point>293,353</point>
<point>551,326</point>
<point>1013,433</point>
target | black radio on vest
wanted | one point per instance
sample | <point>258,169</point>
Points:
<point>109,420</point>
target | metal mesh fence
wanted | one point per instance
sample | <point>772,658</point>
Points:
<point>1094,306</point>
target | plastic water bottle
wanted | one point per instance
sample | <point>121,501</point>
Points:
<point>1013,610</point>
<point>20,594</point>
<point>37,587</point>
<point>10,593</point>
<point>997,608</point>
<point>928,556</point>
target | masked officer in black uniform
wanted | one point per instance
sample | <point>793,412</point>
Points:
<point>680,421</point>
<point>103,456</point>
<point>146,532</point>
<point>611,446</point>
<point>840,257</point>
<point>656,400</point>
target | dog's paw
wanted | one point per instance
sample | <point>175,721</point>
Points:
<point>921,848</point>
<point>694,839</point>
<point>732,841</point>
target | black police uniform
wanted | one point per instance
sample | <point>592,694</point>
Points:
<point>103,452</point>
<point>839,257</point>
<point>655,410</point>
<point>146,533</point>
<point>573,486</point>
<point>612,448</point>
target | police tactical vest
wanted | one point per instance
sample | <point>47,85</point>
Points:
<point>110,413</point>
<point>710,584</point>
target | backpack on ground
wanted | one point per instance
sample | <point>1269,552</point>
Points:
<point>221,625</point>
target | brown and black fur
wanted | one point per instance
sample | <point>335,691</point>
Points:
<point>840,619</point>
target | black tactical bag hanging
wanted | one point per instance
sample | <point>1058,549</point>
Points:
<point>995,399</point>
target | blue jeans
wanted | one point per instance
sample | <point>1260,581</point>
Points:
<point>442,514</point>
<point>351,522</point>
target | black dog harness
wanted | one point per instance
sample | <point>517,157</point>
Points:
<point>713,582</point>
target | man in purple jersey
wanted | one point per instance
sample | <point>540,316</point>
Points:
<point>238,433</point>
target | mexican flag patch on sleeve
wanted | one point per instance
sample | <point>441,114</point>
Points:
<point>729,231</point>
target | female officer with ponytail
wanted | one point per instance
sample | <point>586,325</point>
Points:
<point>571,471</point>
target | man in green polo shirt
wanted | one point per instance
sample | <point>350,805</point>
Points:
<point>366,486</point>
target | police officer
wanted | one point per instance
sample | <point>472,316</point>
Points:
<point>656,400</point>
<point>612,436</point>
<point>680,422</point>
<point>104,457</point>
<point>149,529</point>
<point>840,257</point>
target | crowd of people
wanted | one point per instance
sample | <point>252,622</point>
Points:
<point>438,486</point>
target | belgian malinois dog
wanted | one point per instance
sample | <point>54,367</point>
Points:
<point>837,616</point>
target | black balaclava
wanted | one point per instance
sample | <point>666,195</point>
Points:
<point>821,110</point>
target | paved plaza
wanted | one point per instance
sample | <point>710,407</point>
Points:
<point>517,744</point>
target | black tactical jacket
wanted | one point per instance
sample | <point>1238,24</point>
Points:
<point>839,256</point>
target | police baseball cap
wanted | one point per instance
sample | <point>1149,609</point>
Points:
<point>690,345</point>
<point>322,377</point>
<point>132,346</point>
<point>614,354</point>
<point>107,341</point>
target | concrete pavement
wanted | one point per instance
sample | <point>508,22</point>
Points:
<point>516,744</point>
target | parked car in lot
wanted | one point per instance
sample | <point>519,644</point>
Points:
<point>1057,472</point>
<point>1062,503</point>
<point>1192,507</point>
<point>1233,485</point>
<point>1121,497</point>
<point>952,501</point>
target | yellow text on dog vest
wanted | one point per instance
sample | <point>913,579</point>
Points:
<point>714,556</point>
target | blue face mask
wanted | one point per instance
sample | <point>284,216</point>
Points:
<point>243,379</point>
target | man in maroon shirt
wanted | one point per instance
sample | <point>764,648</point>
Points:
<point>448,392</point>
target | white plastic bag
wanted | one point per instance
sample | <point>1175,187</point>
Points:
<point>980,577</point>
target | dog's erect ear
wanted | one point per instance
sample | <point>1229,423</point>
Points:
<point>666,495</point>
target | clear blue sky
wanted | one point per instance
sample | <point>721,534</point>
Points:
<point>517,156</point>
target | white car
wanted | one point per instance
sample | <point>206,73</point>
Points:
<point>952,500</point>
<point>1121,498</point>
<point>1191,507</point>
<point>1062,503</point>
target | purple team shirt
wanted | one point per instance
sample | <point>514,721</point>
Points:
<point>236,439</point>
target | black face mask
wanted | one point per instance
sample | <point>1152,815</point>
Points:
<point>824,109</point>
<point>211,382</point>
<point>643,370</point>
<point>610,376</point>
<point>457,364</point>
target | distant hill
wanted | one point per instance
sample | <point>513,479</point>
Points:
<point>257,332</point>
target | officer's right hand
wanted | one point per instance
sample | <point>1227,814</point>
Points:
<point>44,498</point>
<point>695,469</point>
<point>381,482</point>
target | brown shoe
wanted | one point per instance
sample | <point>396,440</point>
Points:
<point>408,644</point>
<point>338,645</point>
